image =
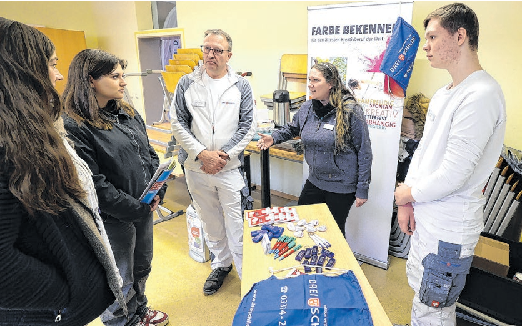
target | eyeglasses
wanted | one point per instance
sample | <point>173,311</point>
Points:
<point>207,49</point>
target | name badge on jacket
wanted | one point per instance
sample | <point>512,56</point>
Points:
<point>328,126</point>
<point>199,104</point>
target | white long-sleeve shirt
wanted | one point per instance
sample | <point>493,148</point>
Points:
<point>462,141</point>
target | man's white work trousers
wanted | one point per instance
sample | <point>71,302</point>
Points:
<point>422,243</point>
<point>217,200</point>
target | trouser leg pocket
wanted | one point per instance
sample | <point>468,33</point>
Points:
<point>444,276</point>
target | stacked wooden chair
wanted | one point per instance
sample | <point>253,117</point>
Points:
<point>181,64</point>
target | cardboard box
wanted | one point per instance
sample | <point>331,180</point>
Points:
<point>492,256</point>
<point>490,289</point>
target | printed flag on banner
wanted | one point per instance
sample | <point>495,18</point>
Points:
<point>399,56</point>
<point>309,299</point>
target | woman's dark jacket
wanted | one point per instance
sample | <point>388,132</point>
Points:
<point>48,267</point>
<point>122,163</point>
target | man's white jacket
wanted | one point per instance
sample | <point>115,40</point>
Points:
<point>198,125</point>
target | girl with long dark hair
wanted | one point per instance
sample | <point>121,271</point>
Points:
<point>111,137</point>
<point>57,265</point>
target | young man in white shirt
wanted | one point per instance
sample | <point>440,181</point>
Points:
<point>441,201</point>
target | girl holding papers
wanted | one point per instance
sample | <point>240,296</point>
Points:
<point>111,137</point>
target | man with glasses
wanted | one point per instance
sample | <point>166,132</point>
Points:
<point>213,119</point>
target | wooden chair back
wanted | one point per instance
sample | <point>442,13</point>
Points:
<point>178,68</point>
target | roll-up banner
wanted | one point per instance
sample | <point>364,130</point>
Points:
<point>354,37</point>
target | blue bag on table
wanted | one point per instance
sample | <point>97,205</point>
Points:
<point>310,299</point>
